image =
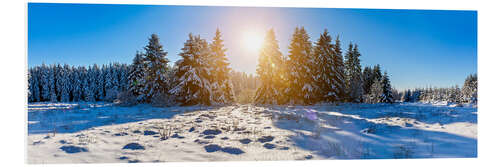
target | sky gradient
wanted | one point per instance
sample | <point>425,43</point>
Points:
<point>418,48</point>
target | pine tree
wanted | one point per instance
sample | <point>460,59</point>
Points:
<point>77,84</point>
<point>300,64</point>
<point>270,72</point>
<point>65,88</point>
<point>377,73</point>
<point>221,85</point>
<point>156,64</point>
<point>31,85</point>
<point>387,96</point>
<point>52,83</point>
<point>368,80</point>
<point>44,82</point>
<point>193,71</point>
<point>90,84</point>
<point>376,92</point>
<point>340,75</point>
<point>353,74</point>
<point>469,90</point>
<point>136,76</point>
<point>100,84</point>
<point>324,71</point>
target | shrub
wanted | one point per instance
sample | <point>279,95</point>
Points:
<point>162,100</point>
<point>126,98</point>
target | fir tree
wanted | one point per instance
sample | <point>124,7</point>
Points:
<point>368,80</point>
<point>52,83</point>
<point>156,64</point>
<point>65,88</point>
<point>300,64</point>
<point>353,74</point>
<point>136,76</point>
<point>387,96</point>
<point>90,84</point>
<point>324,71</point>
<point>469,90</point>
<point>269,71</point>
<point>193,71</point>
<point>221,85</point>
<point>376,92</point>
<point>340,75</point>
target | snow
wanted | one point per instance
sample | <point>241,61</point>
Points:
<point>103,132</point>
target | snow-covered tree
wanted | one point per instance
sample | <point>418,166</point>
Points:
<point>368,80</point>
<point>469,90</point>
<point>222,87</point>
<point>193,71</point>
<point>65,85</point>
<point>354,81</point>
<point>325,72</point>
<point>376,92</point>
<point>52,83</point>
<point>340,75</point>
<point>302,89</point>
<point>136,76</point>
<point>387,96</point>
<point>156,64</point>
<point>270,72</point>
<point>89,85</point>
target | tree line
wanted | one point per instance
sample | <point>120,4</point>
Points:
<point>66,83</point>
<point>454,94</point>
<point>316,73</point>
<point>311,73</point>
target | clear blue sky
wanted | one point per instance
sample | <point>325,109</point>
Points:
<point>418,48</point>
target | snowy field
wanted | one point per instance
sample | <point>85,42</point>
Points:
<point>103,132</point>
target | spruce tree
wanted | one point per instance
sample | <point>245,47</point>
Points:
<point>156,68</point>
<point>52,83</point>
<point>44,82</point>
<point>301,64</point>
<point>31,84</point>
<point>222,88</point>
<point>136,77</point>
<point>354,81</point>
<point>469,89</point>
<point>387,96</point>
<point>340,75</point>
<point>193,71</point>
<point>65,85</point>
<point>270,72</point>
<point>368,80</point>
<point>324,71</point>
<point>376,92</point>
<point>90,84</point>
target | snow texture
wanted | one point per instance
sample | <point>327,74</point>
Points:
<point>85,132</point>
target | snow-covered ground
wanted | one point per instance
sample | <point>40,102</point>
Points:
<point>103,132</point>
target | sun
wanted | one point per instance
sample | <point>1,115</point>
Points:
<point>253,40</point>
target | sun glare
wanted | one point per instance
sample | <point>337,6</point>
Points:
<point>253,40</point>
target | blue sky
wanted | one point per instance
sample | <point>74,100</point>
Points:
<point>418,48</point>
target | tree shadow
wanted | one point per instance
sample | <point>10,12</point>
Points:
<point>350,137</point>
<point>70,118</point>
<point>425,113</point>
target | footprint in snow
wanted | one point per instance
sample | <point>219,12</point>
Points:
<point>269,146</point>
<point>134,146</point>
<point>149,132</point>
<point>73,149</point>
<point>212,132</point>
<point>265,139</point>
<point>245,141</point>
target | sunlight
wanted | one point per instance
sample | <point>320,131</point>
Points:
<point>253,40</point>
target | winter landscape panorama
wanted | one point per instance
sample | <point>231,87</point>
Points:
<point>156,83</point>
